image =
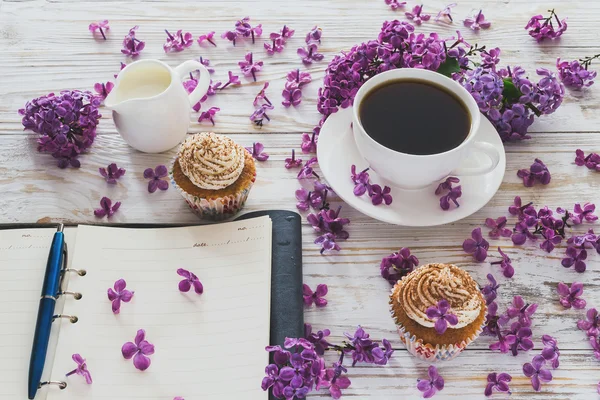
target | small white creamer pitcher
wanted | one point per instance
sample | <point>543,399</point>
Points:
<point>150,106</point>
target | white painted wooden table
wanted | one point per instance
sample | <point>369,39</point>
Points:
<point>45,46</point>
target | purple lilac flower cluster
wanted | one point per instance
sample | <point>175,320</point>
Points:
<point>132,46</point>
<point>330,226</point>
<point>65,122</point>
<point>250,67</point>
<point>513,327</point>
<point>310,53</point>
<point>591,161</point>
<point>243,29</point>
<point>278,40</point>
<point>506,96</point>
<point>452,192</point>
<point>363,185</point>
<point>299,368</point>
<point>540,27</point>
<point>178,42</point>
<point>292,93</point>
<point>575,74</point>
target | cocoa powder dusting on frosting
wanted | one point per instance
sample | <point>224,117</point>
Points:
<point>425,286</point>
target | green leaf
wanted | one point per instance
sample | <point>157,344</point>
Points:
<point>510,92</point>
<point>448,67</point>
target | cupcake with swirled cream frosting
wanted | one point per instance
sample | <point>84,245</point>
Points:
<point>439,310</point>
<point>213,174</point>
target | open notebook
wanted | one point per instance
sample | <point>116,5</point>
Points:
<point>208,346</point>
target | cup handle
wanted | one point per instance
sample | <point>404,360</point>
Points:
<point>489,150</point>
<point>203,81</point>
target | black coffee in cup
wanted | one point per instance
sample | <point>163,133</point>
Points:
<point>414,117</point>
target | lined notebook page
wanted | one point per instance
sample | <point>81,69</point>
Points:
<point>23,258</point>
<point>208,346</point>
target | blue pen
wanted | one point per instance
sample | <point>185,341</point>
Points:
<point>50,291</point>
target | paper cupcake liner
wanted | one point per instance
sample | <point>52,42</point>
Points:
<point>214,209</point>
<point>428,352</point>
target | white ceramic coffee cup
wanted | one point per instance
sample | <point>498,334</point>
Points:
<point>412,171</point>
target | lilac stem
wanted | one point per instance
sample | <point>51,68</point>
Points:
<point>102,33</point>
<point>211,42</point>
<point>71,373</point>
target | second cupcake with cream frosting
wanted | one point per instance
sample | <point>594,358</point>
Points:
<point>214,175</point>
<point>438,310</point>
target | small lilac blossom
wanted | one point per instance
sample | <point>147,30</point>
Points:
<point>445,13</point>
<point>132,46</point>
<point>361,180</point>
<point>520,338</point>
<point>307,171</point>
<point>441,316</point>
<point>507,268</point>
<point>103,89</point>
<point>209,115</point>
<point>257,151</point>
<point>309,143</point>
<point>591,324</point>
<point>329,221</point>
<point>453,196</point>
<point>230,35</point>
<point>416,16</point>
<point>293,162</point>
<point>276,46</point>
<point>292,95</point>
<point>521,233</point>
<point>327,242</point>
<point>301,78</point>
<point>575,258</point>
<point>446,185</point>
<point>537,373</point>
<point>504,342</point>
<point>123,65</point>
<point>551,239</point>
<point>209,37</point>
<point>538,171</point>
<point>304,199</point>
<point>139,351</point>
<point>190,279</point>
<point>107,208</point>
<point>250,67</point>
<point>477,245</point>
<point>317,297</point>
<point>490,291</point>
<point>244,29</point>
<point>518,209</point>
<point>551,351</point>
<point>155,178</point>
<point>317,339</point>
<point>260,114</point>
<point>119,294</point>
<point>520,310</point>
<point>491,325</point>
<point>178,42</point>
<point>397,265</point>
<point>431,386</point>
<point>478,22</point>
<point>379,195</point>
<point>591,161</point>
<point>262,96</point>
<point>81,368</point>
<point>364,349</point>
<point>280,356</point>
<point>206,63</point>
<point>497,382</point>
<point>310,54</point>
<point>584,213</point>
<point>595,345</point>
<point>583,241</point>
<point>336,383</point>
<point>99,26</point>
<point>498,227</point>
<point>314,35</point>
<point>542,28</point>
<point>111,173</point>
<point>233,80</point>
<point>395,4</point>
<point>575,74</point>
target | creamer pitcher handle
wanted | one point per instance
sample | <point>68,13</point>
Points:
<point>203,81</point>
<point>490,151</point>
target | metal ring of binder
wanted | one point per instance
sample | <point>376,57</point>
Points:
<point>80,272</point>
<point>61,384</point>
<point>72,318</point>
<point>76,295</point>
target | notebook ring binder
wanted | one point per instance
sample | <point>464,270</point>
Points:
<point>76,295</point>
<point>61,384</point>
<point>80,272</point>
<point>72,318</point>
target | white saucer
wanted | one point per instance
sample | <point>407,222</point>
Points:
<point>337,152</point>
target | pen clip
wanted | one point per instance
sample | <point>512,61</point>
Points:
<point>63,269</point>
